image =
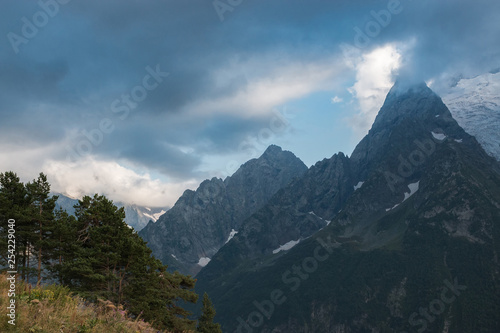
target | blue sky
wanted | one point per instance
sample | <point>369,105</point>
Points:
<point>140,100</point>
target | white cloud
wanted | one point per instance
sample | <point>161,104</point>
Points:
<point>117,182</point>
<point>337,99</point>
<point>266,87</point>
<point>374,75</point>
<point>25,161</point>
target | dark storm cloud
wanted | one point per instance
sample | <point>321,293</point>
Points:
<point>92,52</point>
<point>152,142</point>
<point>452,37</point>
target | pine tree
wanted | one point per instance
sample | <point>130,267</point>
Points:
<point>14,203</point>
<point>41,213</point>
<point>206,321</point>
<point>100,238</point>
<point>111,261</point>
<point>155,293</point>
<point>95,253</point>
<point>61,244</point>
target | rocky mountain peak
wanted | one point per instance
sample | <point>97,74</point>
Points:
<point>408,100</point>
<point>275,155</point>
<point>202,221</point>
<point>272,150</point>
<point>417,204</point>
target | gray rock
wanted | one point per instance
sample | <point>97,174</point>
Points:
<point>200,222</point>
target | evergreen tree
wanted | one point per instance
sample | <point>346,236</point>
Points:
<point>41,213</point>
<point>155,293</point>
<point>61,244</point>
<point>111,261</point>
<point>100,237</point>
<point>206,321</point>
<point>96,254</point>
<point>14,203</point>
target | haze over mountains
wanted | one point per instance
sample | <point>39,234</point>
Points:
<point>353,244</point>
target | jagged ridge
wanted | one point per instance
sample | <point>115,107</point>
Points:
<point>200,222</point>
<point>424,207</point>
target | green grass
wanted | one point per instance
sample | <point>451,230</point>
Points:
<point>54,308</point>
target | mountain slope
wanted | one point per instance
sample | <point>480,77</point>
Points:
<point>202,221</point>
<point>138,217</point>
<point>475,104</point>
<point>414,247</point>
<point>293,214</point>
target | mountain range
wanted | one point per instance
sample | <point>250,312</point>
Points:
<point>188,235</point>
<point>401,236</point>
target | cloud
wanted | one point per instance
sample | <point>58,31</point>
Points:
<point>225,78</point>
<point>115,181</point>
<point>337,99</point>
<point>265,86</point>
<point>375,77</point>
<point>120,180</point>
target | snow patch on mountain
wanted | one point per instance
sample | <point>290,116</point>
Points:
<point>475,104</point>
<point>286,246</point>
<point>388,209</point>
<point>154,217</point>
<point>358,186</point>
<point>438,136</point>
<point>413,187</point>
<point>319,217</point>
<point>203,261</point>
<point>231,235</point>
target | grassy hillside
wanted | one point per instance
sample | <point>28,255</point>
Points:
<point>53,308</point>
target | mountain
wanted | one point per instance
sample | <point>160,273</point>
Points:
<point>66,203</point>
<point>475,104</point>
<point>135,216</point>
<point>202,221</point>
<point>292,215</point>
<point>407,236</point>
<point>138,217</point>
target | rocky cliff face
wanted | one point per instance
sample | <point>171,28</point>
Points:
<point>202,221</point>
<point>414,211</point>
<point>295,213</point>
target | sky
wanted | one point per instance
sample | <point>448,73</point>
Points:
<point>140,100</point>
